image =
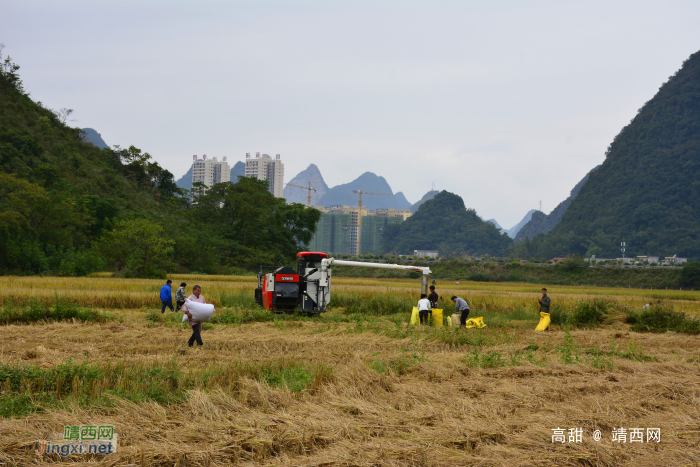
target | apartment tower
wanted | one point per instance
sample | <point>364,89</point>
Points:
<point>266,168</point>
<point>210,172</point>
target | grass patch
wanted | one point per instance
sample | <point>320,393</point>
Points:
<point>62,310</point>
<point>475,359</point>
<point>400,365</point>
<point>25,389</point>
<point>295,379</point>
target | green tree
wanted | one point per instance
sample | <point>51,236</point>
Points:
<point>690,275</point>
<point>139,248</point>
<point>254,226</point>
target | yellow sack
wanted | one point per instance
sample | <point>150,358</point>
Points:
<point>415,319</point>
<point>476,322</point>
<point>544,321</point>
<point>437,318</point>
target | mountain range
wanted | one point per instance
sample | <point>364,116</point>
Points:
<point>310,175</point>
<point>343,194</point>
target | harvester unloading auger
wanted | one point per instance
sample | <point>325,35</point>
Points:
<point>309,287</point>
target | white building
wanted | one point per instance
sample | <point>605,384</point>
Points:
<point>423,253</point>
<point>267,168</point>
<point>674,260</point>
<point>649,259</point>
<point>210,172</point>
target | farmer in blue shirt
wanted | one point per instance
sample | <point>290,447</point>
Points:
<point>166,296</point>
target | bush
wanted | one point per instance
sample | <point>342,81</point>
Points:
<point>586,313</point>
<point>658,318</point>
<point>589,313</point>
<point>479,277</point>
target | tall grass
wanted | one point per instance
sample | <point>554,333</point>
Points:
<point>62,310</point>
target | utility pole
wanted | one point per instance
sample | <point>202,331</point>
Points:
<point>359,216</point>
<point>308,203</point>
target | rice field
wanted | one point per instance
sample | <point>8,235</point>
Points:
<point>357,386</point>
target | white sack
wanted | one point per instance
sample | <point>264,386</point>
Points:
<point>199,311</point>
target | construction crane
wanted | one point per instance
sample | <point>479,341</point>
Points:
<point>359,215</point>
<point>308,203</point>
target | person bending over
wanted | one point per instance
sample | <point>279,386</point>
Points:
<point>462,307</point>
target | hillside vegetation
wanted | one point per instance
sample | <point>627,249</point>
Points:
<point>444,224</point>
<point>647,191</point>
<point>68,207</point>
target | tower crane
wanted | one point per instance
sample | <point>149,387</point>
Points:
<point>359,214</point>
<point>309,188</point>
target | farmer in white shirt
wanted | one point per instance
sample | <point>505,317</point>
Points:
<point>424,309</point>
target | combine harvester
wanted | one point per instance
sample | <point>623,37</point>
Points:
<point>309,287</point>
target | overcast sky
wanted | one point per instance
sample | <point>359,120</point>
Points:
<point>503,103</point>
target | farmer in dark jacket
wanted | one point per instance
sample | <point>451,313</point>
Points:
<point>166,296</point>
<point>180,296</point>
<point>433,297</point>
<point>545,301</point>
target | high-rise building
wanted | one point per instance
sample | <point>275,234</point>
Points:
<point>267,168</point>
<point>211,171</point>
<point>336,231</point>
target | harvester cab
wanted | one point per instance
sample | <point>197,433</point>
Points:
<point>283,288</point>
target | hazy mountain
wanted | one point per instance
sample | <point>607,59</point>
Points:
<point>186,180</point>
<point>343,195</point>
<point>401,199</point>
<point>543,223</point>
<point>237,170</point>
<point>493,221</point>
<point>513,231</point>
<point>94,137</point>
<point>429,195</point>
<point>299,195</point>
<point>460,230</point>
